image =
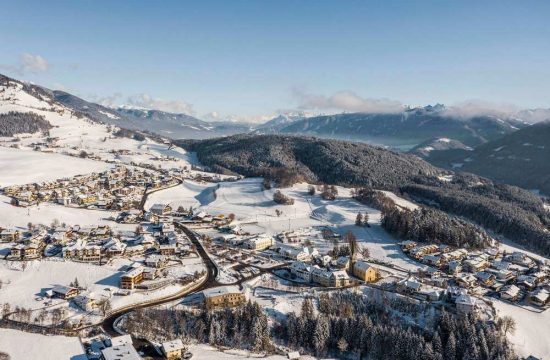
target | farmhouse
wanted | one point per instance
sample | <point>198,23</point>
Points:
<point>64,292</point>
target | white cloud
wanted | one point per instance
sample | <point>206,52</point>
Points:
<point>33,63</point>
<point>346,101</point>
<point>149,102</point>
<point>28,63</point>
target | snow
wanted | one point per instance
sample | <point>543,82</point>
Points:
<point>21,345</point>
<point>27,166</point>
<point>189,193</point>
<point>206,352</point>
<point>400,201</point>
<point>255,212</point>
<point>24,287</point>
<point>531,335</point>
<point>46,213</point>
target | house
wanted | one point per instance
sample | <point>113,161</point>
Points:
<point>121,349</point>
<point>510,292</point>
<point>259,242</point>
<point>339,278</point>
<point>409,286</point>
<point>539,297</point>
<point>131,278</point>
<point>407,245</point>
<point>28,251</point>
<point>173,350</point>
<point>160,209</point>
<point>527,281</point>
<point>9,235</point>
<point>343,262</point>
<point>222,297</point>
<point>301,270</point>
<point>321,276</point>
<point>167,249</point>
<point>150,273</point>
<point>466,280</point>
<point>485,278</point>
<point>475,264</point>
<point>64,292</point>
<point>420,251</point>
<point>155,261</point>
<point>86,302</point>
<point>519,258</point>
<point>454,267</point>
<point>466,304</point>
<point>433,260</point>
<point>364,271</point>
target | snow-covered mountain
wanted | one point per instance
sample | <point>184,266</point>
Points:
<point>68,139</point>
<point>427,148</point>
<point>277,123</point>
<point>167,124</point>
<point>406,129</point>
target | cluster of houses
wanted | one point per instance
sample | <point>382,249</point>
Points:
<point>511,276</point>
<point>122,348</point>
<point>120,188</point>
<point>335,274</point>
<point>94,244</point>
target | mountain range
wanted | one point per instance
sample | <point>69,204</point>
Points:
<point>520,158</point>
<point>504,148</point>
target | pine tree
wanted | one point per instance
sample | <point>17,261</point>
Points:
<point>450,348</point>
<point>321,335</point>
<point>359,219</point>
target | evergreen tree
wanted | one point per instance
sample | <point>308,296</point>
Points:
<point>359,219</point>
<point>321,335</point>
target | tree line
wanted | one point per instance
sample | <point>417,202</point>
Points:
<point>15,122</point>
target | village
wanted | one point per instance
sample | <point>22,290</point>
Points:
<point>163,251</point>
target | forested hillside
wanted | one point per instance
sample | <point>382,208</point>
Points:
<point>13,123</point>
<point>520,158</point>
<point>310,159</point>
<point>507,210</point>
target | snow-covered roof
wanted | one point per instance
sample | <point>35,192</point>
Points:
<point>173,345</point>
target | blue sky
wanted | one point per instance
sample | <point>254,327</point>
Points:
<point>254,58</point>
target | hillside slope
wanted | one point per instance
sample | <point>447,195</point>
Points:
<point>164,123</point>
<point>406,129</point>
<point>520,158</point>
<point>513,212</point>
<point>315,160</point>
<point>427,148</point>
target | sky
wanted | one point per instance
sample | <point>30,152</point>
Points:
<point>252,59</point>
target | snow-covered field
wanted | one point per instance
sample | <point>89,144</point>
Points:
<point>21,345</point>
<point>25,287</point>
<point>46,213</point>
<point>21,166</point>
<point>532,334</point>
<point>255,210</point>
